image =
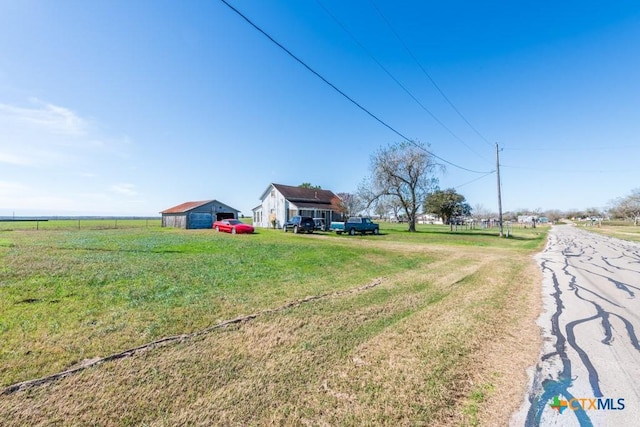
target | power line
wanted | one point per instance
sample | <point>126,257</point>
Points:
<point>581,149</point>
<point>475,179</point>
<point>404,88</point>
<point>446,98</point>
<point>565,171</point>
<point>341,92</point>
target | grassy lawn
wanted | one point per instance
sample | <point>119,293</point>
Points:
<point>80,224</point>
<point>443,337</point>
<point>618,229</point>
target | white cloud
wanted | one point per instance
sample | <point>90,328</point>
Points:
<point>124,189</point>
<point>44,134</point>
<point>53,160</point>
<point>62,120</point>
<point>46,117</point>
<point>15,159</point>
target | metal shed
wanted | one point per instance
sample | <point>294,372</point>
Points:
<point>202,214</point>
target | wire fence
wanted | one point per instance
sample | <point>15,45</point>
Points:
<point>15,224</point>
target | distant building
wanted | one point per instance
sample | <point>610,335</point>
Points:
<point>201,214</point>
<point>528,220</point>
<point>281,202</point>
<point>427,219</point>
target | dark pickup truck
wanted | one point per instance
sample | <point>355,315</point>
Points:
<point>354,225</point>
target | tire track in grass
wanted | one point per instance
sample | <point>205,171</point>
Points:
<point>24,385</point>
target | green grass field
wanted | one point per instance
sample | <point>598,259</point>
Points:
<point>401,353</point>
<point>80,224</point>
<point>620,229</point>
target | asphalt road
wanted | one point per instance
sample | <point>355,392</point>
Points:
<point>589,370</point>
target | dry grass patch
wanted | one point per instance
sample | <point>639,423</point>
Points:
<point>624,232</point>
<point>500,379</point>
<point>413,351</point>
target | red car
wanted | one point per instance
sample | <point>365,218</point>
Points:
<point>232,226</point>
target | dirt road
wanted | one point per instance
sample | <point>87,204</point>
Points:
<point>589,370</point>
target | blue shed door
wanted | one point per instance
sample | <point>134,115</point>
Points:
<point>200,220</point>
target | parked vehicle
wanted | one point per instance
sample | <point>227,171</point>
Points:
<point>355,225</point>
<point>232,226</point>
<point>300,224</point>
<point>320,225</point>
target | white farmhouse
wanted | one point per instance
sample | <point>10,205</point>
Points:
<point>281,202</point>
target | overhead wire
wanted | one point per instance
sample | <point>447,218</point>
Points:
<point>568,171</point>
<point>404,88</point>
<point>304,64</point>
<point>424,71</point>
<point>474,180</point>
<point>581,149</point>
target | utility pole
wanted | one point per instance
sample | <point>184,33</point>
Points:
<point>499,193</point>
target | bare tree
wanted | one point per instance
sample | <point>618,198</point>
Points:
<point>554,215</point>
<point>387,207</point>
<point>594,213</point>
<point>480,212</point>
<point>404,172</point>
<point>381,210</point>
<point>350,203</point>
<point>628,207</point>
<point>575,213</point>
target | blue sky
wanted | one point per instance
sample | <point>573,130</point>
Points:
<point>131,107</point>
